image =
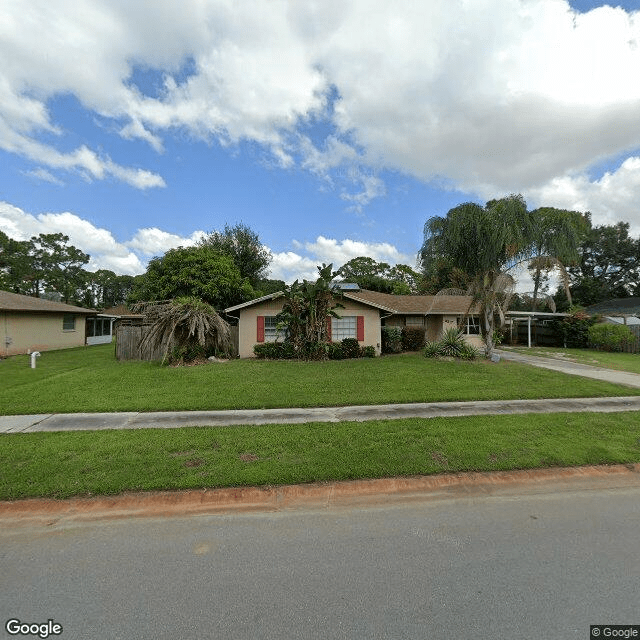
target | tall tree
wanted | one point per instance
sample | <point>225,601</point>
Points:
<point>243,246</point>
<point>484,242</point>
<point>609,265</point>
<point>201,272</point>
<point>559,234</point>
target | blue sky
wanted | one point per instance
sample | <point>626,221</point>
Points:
<point>333,129</point>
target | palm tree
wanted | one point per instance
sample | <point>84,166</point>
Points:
<point>559,234</point>
<point>485,242</point>
<point>184,323</point>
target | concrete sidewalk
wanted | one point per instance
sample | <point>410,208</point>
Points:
<point>173,419</point>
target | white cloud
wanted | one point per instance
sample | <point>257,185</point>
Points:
<point>611,198</point>
<point>44,175</point>
<point>492,96</point>
<point>303,262</point>
<point>155,242</point>
<point>105,251</point>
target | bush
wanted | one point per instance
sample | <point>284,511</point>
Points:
<point>469,352</point>
<point>431,349</point>
<point>452,345</point>
<point>369,351</point>
<point>391,340</point>
<point>452,342</point>
<point>273,350</point>
<point>574,329</point>
<point>335,351</point>
<point>610,337</point>
<point>350,348</point>
<point>413,338</point>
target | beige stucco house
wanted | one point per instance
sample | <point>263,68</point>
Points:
<point>34,324</point>
<point>364,314</point>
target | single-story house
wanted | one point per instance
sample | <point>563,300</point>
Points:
<point>364,314</point>
<point>618,310</point>
<point>35,324</point>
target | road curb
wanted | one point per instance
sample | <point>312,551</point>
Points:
<point>370,493</point>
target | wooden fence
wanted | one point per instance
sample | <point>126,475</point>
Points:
<point>129,338</point>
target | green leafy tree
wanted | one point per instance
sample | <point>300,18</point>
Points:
<point>243,246</point>
<point>306,312</point>
<point>367,273</point>
<point>201,272</point>
<point>485,243</point>
<point>609,265</point>
<point>16,265</point>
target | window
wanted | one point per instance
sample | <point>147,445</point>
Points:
<point>68,322</point>
<point>414,321</point>
<point>98,327</point>
<point>271,333</point>
<point>345,327</point>
<point>472,326</point>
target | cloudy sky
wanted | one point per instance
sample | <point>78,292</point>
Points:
<point>333,128</point>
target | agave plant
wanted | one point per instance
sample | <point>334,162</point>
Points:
<point>452,343</point>
<point>182,324</point>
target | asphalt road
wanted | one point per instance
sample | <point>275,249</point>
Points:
<point>545,562</point>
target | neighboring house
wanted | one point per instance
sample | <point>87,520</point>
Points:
<point>618,310</point>
<point>34,324</point>
<point>364,314</point>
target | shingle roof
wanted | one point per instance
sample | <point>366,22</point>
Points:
<point>16,302</point>
<point>418,305</point>
<point>412,305</point>
<point>623,306</point>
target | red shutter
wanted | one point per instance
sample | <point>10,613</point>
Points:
<point>360,328</point>
<point>329,328</point>
<point>260,328</point>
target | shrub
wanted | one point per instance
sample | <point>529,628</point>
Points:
<point>452,342</point>
<point>431,349</point>
<point>412,338</point>
<point>350,348</point>
<point>273,350</point>
<point>610,337</point>
<point>469,352</point>
<point>369,351</point>
<point>391,339</point>
<point>574,329</point>
<point>335,351</point>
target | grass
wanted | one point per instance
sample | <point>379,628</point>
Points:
<point>89,379</point>
<point>65,464</point>
<point>619,361</point>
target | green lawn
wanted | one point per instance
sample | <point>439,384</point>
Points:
<point>619,361</point>
<point>66,464</point>
<point>89,379</point>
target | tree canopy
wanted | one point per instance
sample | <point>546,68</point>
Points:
<point>243,246</point>
<point>201,272</point>
<point>379,276</point>
<point>485,243</point>
<point>608,265</point>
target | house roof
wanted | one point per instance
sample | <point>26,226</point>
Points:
<point>412,305</point>
<point>121,310</point>
<point>396,304</point>
<point>617,307</point>
<point>270,296</point>
<point>17,302</point>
